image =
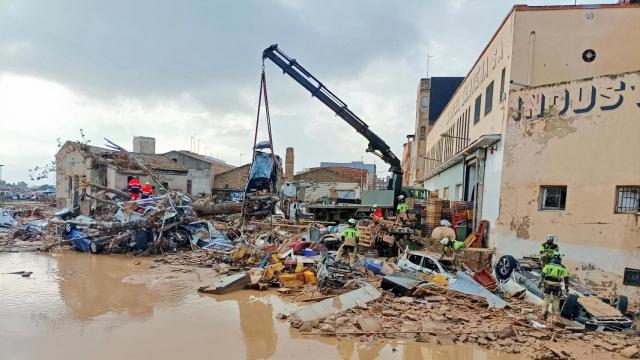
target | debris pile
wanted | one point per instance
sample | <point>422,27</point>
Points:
<point>24,228</point>
<point>144,226</point>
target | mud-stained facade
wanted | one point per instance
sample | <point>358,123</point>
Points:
<point>466,149</point>
<point>583,137</point>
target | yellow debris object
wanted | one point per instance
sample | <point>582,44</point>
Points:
<point>438,279</point>
<point>310,277</point>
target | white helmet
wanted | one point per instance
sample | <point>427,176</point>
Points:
<point>352,222</point>
<point>400,197</point>
<point>445,241</point>
<point>551,237</point>
<point>375,205</point>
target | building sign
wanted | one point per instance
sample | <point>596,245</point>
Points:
<point>579,97</point>
<point>493,57</point>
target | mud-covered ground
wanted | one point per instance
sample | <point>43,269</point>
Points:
<point>77,305</point>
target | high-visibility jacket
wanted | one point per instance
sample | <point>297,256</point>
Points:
<point>402,207</point>
<point>549,249</point>
<point>457,245</point>
<point>351,236</point>
<point>554,274</point>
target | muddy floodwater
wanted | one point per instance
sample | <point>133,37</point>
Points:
<point>79,306</point>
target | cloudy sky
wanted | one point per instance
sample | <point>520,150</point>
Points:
<point>178,69</point>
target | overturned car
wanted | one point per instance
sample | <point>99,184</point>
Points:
<point>580,303</point>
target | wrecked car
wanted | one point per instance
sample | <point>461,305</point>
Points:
<point>577,305</point>
<point>425,262</point>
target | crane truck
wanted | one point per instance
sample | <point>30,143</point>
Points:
<point>376,145</point>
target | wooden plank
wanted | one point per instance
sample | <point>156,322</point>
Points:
<point>597,307</point>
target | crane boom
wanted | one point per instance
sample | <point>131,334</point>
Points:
<point>377,146</point>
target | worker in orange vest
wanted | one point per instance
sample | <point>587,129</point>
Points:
<point>147,190</point>
<point>134,188</point>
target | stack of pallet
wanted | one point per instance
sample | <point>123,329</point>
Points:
<point>458,211</point>
<point>470,211</point>
<point>366,234</point>
<point>433,214</point>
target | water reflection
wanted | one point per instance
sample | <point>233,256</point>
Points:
<point>93,285</point>
<point>256,323</point>
<point>109,307</point>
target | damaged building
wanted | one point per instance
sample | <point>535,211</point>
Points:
<point>202,170</point>
<point>542,135</point>
<point>76,162</point>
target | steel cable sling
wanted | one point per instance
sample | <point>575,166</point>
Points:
<point>262,93</point>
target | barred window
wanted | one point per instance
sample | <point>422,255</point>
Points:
<point>627,199</point>
<point>553,197</point>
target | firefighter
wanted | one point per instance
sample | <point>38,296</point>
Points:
<point>134,188</point>
<point>553,274</point>
<point>454,244</point>
<point>147,190</point>
<point>401,209</point>
<point>378,212</point>
<point>350,241</point>
<point>548,249</point>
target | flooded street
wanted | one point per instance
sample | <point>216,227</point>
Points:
<point>104,307</point>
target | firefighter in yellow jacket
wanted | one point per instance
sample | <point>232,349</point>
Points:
<point>350,241</point>
<point>553,275</point>
<point>401,210</point>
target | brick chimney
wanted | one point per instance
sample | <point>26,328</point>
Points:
<point>288,165</point>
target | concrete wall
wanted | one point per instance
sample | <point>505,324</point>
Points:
<point>585,137</point>
<point>422,121</point>
<point>492,183</point>
<point>329,190</point>
<point>449,178</point>
<point>534,46</point>
<point>548,45</point>
<point>71,165</point>
<point>323,175</point>
<point>232,179</point>
<point>457,119</point>
<point>188,162</point>
<point>200,181</point>
<point>119,180</point>
<point>144,145</point>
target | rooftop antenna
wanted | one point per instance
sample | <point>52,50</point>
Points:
<point>428,62</point>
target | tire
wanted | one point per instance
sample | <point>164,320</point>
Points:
<point>570,308</point>
<point>622,304</point>
<point>505,267</point>
<point>94,248</point>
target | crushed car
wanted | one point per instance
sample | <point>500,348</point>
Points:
<point>579,304</point>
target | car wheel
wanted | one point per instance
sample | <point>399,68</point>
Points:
<point>94,248</point>
<point>505,267</point>
<point>622,304</point>
<point>570,308</point>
